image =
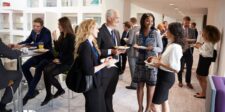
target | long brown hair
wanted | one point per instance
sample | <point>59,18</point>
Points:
<point>66,25</point>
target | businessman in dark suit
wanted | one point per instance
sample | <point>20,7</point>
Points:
<point>8,75</point>
<point>39,34</point>
<point>108,38</point>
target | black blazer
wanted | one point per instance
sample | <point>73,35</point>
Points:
<point>104,40</point>
<point>65,48</point>
<point>124,35</point>
<point>6,52</point>
<point>88,60</point>
<point>45,37</point>
<point>105,43</point>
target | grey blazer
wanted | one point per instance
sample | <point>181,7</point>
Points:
<point>6,52</point>
<point>132,53</point>
<point>191,34</point>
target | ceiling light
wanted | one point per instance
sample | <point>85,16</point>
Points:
<point>176,8</point>
<point>171,4</point>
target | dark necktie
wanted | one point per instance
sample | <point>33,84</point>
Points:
<point>35,37</point>
<point>113,38</point>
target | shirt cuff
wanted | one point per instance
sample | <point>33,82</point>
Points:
<point>109,51</point>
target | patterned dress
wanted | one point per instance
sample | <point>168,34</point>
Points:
<point>142,72</point>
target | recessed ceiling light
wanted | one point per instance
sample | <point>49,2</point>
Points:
<point>176,8</point>
<point>171,4</point>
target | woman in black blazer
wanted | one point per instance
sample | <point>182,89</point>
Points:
<point>88,52</point>
<point>64,46</point>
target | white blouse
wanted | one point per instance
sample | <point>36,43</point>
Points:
<point>171,56</point>
<point>206,50</point>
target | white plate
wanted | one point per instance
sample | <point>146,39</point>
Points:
<point>111,64</point>
<point>126,39</point>
<point>122,47</point>
<point>32,48</point>
<point>141,47</point>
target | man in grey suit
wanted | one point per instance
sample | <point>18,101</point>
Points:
<point>8,76</point>
<point>132,54</point>
<point>187,58</point>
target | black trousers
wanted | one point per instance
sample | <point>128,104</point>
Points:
<point>187,59</point>
<point>124,61</point>
<point>39,62</point>
<point>16,77</point>
<point>94,100</point>
<point>110,80</point>
<point>50,71</point>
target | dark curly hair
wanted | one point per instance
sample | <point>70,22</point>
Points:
<point>142,22</point>
<point>176,29</point>
<point>212,34</point>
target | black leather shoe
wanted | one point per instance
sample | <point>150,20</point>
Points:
<point>5,110</point>
<point>59,93</point>
<point>131,87</point>
<point>46,100</point>
<point>27,97</point>
<point>189,85</point>
<point>36,92</point>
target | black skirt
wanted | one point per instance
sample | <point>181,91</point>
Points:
<point>165,81</point>
<point>203,65</point>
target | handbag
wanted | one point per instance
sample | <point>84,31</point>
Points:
<point>213,59</point>
<point>76,80</point>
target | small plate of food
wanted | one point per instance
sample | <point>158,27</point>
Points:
<point>140,47</point>
<point>125,39</point>
<point>150,62</point>
<point>122,47</point>
<point>41,50</point>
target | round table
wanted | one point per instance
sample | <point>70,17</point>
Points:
<point>19,68</point>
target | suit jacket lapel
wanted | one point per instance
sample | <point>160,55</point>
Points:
<point>108,35</point>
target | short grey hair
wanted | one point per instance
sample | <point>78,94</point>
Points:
<point>110,12</point>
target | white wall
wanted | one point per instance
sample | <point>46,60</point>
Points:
<point>199,22</point>
<point>114,4</point>
<point>216,16</point>
<point>137,10</point>
<point>169,19</point>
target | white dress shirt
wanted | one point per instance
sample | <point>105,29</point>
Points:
<point>171,56</point>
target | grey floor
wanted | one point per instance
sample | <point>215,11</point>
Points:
<point>180,99</point>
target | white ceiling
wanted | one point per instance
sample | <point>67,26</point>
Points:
<point>193,8</point>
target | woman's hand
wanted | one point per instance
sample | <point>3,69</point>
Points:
<point>54,35</point>
<point>56,61</point>
<point>149,48</point>
<point>106,61</point>
<point>135,46</point>
<point>198,45</point>
<point>156,62</point>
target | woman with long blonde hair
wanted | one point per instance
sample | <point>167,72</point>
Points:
<point>86,49</point>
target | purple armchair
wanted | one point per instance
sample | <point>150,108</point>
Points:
<point>219,83</point>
